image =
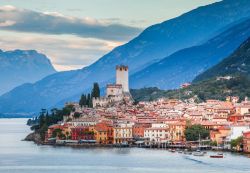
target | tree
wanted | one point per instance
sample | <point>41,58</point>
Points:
<point>213,143</point>
<point>67,135</point>
<point>57,133</point>
<point>77,115</point>
<point>95,93</point>
<point>89,101</point>
<point>83,100</point>
<point>193,132</point>
<point>236,142</point>
<point>67,109</point>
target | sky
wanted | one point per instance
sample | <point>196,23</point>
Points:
<point>75,33</point>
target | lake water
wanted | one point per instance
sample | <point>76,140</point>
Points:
<point>18,156</point>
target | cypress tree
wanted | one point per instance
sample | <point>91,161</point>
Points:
<point>95,91</point>
<point>83,100</point>
<point>89,101</point>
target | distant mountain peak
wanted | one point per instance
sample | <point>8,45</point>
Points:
<point>21,66</point>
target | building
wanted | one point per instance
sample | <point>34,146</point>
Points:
<point>82,133</point>
<point>246,142</point>
<point>103,133</point>
<point>157,135</point>
<point>243,108</point>
<point>59,131</point>
<point>122,133</point>
<point>139,128</point>
<point>122,77</point>
<point>237,130</point>
<point>185,85</point>
<point>177,131</point>
<point>115,92</point>
<point>220,134</point>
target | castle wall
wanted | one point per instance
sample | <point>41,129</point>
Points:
<point>114,90</point>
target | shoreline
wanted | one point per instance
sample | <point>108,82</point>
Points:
<point>32,137</point>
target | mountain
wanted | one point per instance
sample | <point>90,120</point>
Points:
<point>21,66</point>
<point>236,64</point>
<point>211,84</point>
<point>184,65</point>
<point>153,44</point>
<point>201,91</point>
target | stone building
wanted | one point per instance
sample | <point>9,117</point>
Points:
<point>115,92</point>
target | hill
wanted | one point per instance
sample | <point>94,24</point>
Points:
<point>231,77</point>
<point>236,64</point>
<point>209,89</point>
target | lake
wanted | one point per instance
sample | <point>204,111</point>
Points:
<point>17,156</point>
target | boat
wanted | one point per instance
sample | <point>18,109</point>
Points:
<point>218,155</point>
<point>198,153</point>
<point>173,150</point>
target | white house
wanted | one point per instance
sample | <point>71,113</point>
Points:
<point>157,135</point>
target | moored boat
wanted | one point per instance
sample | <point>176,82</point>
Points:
<point>198,153</point>
<point>218,155</point>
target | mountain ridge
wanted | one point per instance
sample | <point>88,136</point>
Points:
<point>22,66</point>
<point>153,44</point>
<point>236,64</point>
<point>184,65</point>
<point>231,77</point>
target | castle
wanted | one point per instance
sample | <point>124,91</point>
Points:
<point>116,92</point>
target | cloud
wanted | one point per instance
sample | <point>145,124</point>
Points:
<point>22,20</point>
<point>65,52</point>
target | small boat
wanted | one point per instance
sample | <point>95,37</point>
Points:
<point>173,150</point>
<point>180,151</point>
<point>198,153</point>
<point>218,155</point>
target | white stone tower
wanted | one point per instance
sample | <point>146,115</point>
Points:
<point>122,77</point>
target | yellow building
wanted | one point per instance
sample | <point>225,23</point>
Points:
<point>177,131</point>
<point>101,134</point>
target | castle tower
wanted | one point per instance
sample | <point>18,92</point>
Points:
<point>122,77</point>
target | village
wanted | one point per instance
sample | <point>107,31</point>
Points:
<point>115,120</point>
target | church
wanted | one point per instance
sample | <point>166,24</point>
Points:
<point>117,92</point>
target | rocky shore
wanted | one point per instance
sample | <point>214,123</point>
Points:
<point>35,137</point>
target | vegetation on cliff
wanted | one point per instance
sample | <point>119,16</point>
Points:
<point>209,89</point>
<point>47,118</point>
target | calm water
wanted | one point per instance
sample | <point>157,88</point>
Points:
<point>18,156</point>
